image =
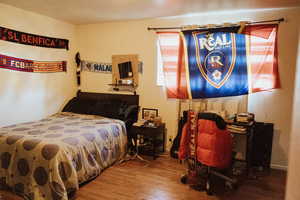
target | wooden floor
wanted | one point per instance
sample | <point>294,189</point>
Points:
<point>160,180</point>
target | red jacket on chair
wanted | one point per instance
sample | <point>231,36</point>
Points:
<point>213,145</point>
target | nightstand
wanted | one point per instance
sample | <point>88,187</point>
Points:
<point>151,139</point>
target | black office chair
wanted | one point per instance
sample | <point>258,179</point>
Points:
<point>215,150</point>
<point>213,153</point>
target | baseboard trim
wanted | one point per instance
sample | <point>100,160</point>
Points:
<point>280,167</point>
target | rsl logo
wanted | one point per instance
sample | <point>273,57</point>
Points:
<point>212,41</point>
<point>214,64</point>
<point>215,55</point>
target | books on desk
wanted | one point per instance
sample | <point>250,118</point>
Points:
<point>237,129</point>
<point>244,117</point>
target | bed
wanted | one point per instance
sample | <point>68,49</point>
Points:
<point>50,158</point>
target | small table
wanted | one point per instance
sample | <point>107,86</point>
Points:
<point>155,134</point>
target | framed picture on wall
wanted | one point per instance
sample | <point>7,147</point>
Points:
<point>149,113</point>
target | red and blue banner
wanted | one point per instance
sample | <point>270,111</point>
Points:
<point>216,64</point>
<point>221,62</point>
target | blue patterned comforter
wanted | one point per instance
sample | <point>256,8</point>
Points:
<point>48,159</point>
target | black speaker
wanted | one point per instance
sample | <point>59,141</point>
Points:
<point>262,145</point>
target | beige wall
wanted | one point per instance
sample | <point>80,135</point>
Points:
<point>30,96</point>
<point>98,42</point>
<point>292,192</point>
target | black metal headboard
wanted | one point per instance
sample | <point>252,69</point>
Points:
<point>129,99</point>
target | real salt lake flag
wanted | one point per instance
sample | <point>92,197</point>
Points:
<point>222,62</point>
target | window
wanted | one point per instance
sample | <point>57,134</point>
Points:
<point>167,58</point>
<point>160,80</point>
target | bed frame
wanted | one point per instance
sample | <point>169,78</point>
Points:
<point>129,99</point>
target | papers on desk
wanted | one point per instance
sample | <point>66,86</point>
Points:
<point>140,123</point>
<point>237,129</point>
<point>145,123</point>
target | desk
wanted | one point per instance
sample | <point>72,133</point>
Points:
<point>249,133</point>
<point>156,135</point>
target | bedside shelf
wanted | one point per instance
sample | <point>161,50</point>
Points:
<point>123,87</point>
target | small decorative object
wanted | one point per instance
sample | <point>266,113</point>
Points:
<point>140,67</point>
<point>149,114</point>
<point>129,82</point>
<point>78,70</point>
<point>157,121</point>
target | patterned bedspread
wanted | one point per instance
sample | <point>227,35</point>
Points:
<point>49,158</point>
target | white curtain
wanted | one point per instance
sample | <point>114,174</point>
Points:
<point>225,106</point>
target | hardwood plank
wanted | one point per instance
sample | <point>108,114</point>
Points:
<point>160,180</point>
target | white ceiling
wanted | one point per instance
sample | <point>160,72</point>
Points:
<point>93,11</point>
